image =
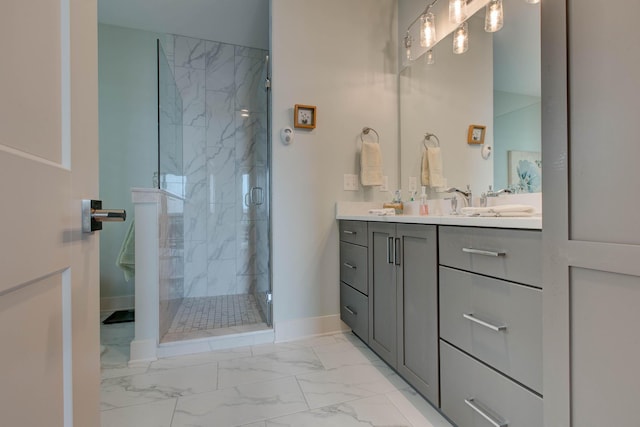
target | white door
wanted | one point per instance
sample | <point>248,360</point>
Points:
<point>49,324</point>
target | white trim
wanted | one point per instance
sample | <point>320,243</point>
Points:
<point>122,302</point>
<point>202,345</point>
<point>296,329</point>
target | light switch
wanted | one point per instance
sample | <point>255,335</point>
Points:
<point>350,182</point>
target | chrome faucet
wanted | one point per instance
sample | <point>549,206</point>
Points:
<point>491,193</point>
<point>466,194</point>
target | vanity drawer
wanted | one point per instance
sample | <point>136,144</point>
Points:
<point>353,266</point>
<point>466,382</point>
<point>354,311</point>
<point>472,307</point>
<point>353,232</point>
<point>514,255</point>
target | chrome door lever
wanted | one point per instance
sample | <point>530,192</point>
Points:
<point>93,215</point>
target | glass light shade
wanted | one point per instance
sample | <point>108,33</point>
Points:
<point>457,11</point>
<point>427,30</point>
<point>532,1</point>
<point>494,18</point>
<point>461,39</point>
<point>430,57</point>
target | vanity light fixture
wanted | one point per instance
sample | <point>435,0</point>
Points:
<point>532,1</point>
<point>427,30</point>
<point>461,39</point>
<point>457,11</point>
<point>494,17</point>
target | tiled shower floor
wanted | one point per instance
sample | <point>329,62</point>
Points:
<point>213,316</point>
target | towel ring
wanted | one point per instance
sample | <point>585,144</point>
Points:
<point>427,138</point>
<point>366,130</point>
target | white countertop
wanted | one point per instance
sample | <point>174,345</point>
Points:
<point>358,211</point>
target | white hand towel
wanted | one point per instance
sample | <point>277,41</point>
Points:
<point>502,211</point>
<point>370,164</point>
<point>425,168</point>
<point>436,177</point>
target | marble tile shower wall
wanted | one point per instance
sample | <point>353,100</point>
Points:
<point>224,158</point>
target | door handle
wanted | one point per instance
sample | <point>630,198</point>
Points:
<point>397,252</point>
<point>93,215</point>
<point>390,250</point>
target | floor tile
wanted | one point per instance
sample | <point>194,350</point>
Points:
<point>344,384</point>
<point>372,411</point>
<point>343,354</point>
<point>157,385</point>
<point>417,410</point>
<point>293,345</point>
<point>157,414</point>
<point>267,367</point>
<point>240,405</point>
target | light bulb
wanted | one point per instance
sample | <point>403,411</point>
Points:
<point>532,1</point>
<point>430,58</point>
<point>494,18</point>
<point>457,11</point>
<point>427,30</point>
<point>461,39</point>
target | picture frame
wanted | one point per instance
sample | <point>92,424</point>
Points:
<point>476,134</point>
<point>304,116</point>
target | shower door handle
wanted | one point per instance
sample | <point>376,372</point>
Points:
<point>257,196</point>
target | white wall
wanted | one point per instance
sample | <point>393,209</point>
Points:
<point>341,57</point>
<point>128,139</point>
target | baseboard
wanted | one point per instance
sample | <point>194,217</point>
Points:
<point>124,302</point>
<point>290,330</point>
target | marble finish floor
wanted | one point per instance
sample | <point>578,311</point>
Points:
<point>329,381</point>
<point>204,317</point>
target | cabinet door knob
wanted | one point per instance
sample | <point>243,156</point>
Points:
<point>484,252</point>
<point>350,310</point>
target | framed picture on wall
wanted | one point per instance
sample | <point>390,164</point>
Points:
<point>304,116</point>
<point>476,134</point>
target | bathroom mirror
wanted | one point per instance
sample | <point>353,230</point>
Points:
<point>496,84</point>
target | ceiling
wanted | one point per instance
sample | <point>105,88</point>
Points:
<point>241,22</point>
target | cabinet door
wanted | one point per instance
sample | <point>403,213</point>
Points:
<point>418,308</point>
<point>382,291</point>
<point>591,236</point>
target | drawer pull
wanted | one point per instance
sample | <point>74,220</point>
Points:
<point>495,421</point>
<point>346,307</point>
<point>353,267</point>
<point>484,252</point>
<point>350,232</point>
<point>470,316</point>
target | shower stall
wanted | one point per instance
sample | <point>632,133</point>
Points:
<point>213,156</point>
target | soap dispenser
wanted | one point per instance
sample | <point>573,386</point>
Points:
<point>424,205</point>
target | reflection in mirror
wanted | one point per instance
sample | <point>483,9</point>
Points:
<point>496,84</point>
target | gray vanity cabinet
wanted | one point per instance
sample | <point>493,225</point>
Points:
<point>403,301</point>
<point>354,302</point>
